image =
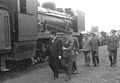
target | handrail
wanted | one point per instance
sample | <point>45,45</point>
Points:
<point>56,27</point>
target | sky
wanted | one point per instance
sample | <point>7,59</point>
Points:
<point>102,13</point>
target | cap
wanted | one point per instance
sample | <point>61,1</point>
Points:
<point>113,31</point>
<point>93,33</point>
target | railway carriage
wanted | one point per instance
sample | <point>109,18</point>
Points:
<point>24,31</point>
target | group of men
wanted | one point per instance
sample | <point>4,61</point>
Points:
<point>91,44</point>
<point>63,51</point>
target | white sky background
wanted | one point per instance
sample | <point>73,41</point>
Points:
<point>102,13</point>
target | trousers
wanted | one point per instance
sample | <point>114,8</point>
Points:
<point>87,57</point>
<point>113,56</point>
<point>68,63</point>
<point>95,58</point>
<point>54,65</point>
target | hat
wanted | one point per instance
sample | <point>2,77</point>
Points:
<point>113,31</point>
<point>53,33</point>
<point>93,33</point>
<point>86,34</point>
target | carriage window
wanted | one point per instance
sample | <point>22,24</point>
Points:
<point>23,6</point>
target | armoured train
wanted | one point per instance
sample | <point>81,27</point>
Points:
<point>24,31</point>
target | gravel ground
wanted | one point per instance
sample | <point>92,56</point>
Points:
<point>43,74</point>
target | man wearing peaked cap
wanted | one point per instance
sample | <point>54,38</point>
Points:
<point>113,44</point>
<point>86,49</point>
<point>68,54</point>
<point>95,43</point>
<point>113,31</point>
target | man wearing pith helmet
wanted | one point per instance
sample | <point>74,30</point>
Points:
<point>113,44</point>
<point>86,49</point>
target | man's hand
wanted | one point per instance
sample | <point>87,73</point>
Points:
<point>59,57</point>
<point>77,53</point>
<point>80,50</point>
<point>63,48</point>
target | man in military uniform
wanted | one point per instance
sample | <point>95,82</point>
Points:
<point>68,54</point>
<point>76,48</point>
<point>113,44</point>
<point>86,48</point>
<point>55,52</point>
<point>103,39</point>
<point>94,43</point>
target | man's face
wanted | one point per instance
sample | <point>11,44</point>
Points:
<point>93,35</point>
<point>113,33</point>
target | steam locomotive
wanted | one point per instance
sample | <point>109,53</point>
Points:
<point>49,20</point>
<point>24,31</point>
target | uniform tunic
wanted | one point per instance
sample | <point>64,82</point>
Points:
<point>68,54</point>
<point>113,43</point>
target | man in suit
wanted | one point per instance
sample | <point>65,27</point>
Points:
<point>55,52</point>
<point>113,44</point>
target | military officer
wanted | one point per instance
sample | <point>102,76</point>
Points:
<point>68,54</point>
<point>76,48</point>
<point>113,44</point>
<point>86,49</point>
<point>95,43</point>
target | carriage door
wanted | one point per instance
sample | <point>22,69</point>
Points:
<point>4,31</point>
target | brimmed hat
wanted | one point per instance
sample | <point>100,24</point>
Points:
<point>93,33</point>
<point>86,34</point>
<point>113,31</point>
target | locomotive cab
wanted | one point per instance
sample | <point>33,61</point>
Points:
<point>18,30</point>
<point>5,42</point>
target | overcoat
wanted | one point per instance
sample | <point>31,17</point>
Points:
<point>55,50</point>
<point>75,48</point>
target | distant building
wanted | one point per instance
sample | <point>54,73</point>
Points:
<point>95,29</point>
<point>60,10</point>
<point>80,21</point>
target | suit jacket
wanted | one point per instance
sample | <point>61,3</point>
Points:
<point>55,48</point>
